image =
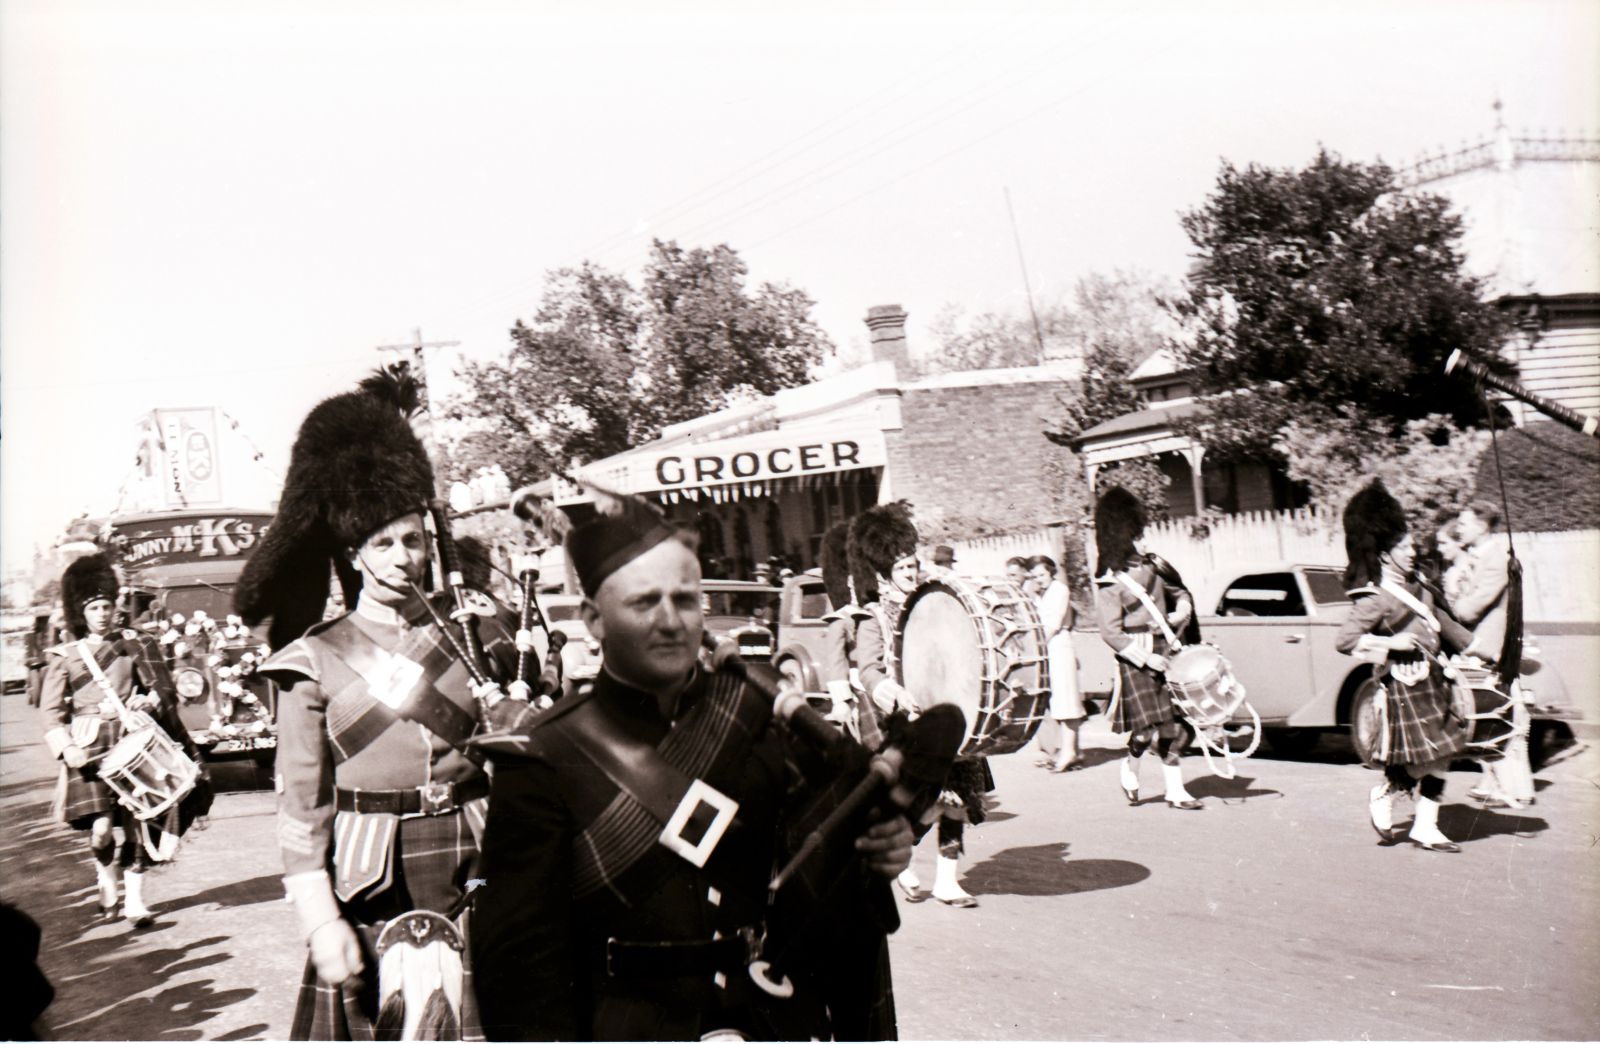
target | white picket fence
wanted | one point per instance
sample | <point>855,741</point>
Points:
<point>1561,571</point>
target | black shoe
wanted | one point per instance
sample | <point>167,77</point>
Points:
<point>1435,846</point>
<point>960,902</point>
<point>107,913</point>
<point>1187,804</point>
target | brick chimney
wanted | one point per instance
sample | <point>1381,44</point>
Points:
<point>887,324</point>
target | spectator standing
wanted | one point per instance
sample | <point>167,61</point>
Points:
<point>1066,703</point>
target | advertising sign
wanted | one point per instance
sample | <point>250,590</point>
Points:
<point>196,537</point>
<point>188,465</point>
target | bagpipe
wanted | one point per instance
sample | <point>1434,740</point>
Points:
<point>461,630</point>
<point>1587,423</point>
<point>852,788</point>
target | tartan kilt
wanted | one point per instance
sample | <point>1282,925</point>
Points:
<point>436,856</point>
<point>1143,700</point>
<point>88,797</point>
<point>1422,726</point>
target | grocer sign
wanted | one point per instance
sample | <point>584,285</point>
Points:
<point>763,457</point>
<point>190,538</point>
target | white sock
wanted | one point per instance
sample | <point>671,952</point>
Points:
<point>1425,827</point>
<point>1130,773</point>
<point>945,885</point>
<point>133,905</point>
<point>1380,805</point>
<point>1172,775</point>
<point>909,879</point>
<point>106,878</point>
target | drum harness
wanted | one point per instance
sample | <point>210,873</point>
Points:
<point>133,721</point>
<point>1210,735</point>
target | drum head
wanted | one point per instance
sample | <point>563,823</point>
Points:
<point>940,658</point>
<point>128,750</point>
<point>1194,665</point>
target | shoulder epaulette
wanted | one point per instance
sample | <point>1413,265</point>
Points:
<point>1364,589</point>
<point>294,658</point>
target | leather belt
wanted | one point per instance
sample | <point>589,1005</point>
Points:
<point>689,957</point>
<point>430,799</point>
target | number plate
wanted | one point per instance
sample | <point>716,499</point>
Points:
<point>230,746</point>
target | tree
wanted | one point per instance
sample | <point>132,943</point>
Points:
<point>1326,288</point>
<point>602,366</point>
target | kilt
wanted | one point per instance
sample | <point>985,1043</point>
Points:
<point>87,796</point>
<point>1422,728</point>
<point>436,856</point>
<point>1142,699</point>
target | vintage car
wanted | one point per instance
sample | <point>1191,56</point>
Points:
<point>745,611</point>
<point>1276,625</point>
<point>580,657</point>
<point>802,604</point>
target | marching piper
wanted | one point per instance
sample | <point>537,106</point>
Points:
<point>634,827</point>
<point>1140,619</point>
<point>89,686</point>
<point>1396,623</point>
<point>381,802</point>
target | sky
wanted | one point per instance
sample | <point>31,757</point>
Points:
<point>233,204</point>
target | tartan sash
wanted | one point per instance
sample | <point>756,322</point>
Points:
<point>389,687</point>
<point>717,731</point>
<point>105,654</point>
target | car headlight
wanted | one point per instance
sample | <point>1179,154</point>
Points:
<point>191,684</point>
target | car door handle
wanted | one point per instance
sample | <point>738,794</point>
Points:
<point>1295,639</point>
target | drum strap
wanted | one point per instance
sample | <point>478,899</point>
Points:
<point>1150,607</point>
<point>130,720</point>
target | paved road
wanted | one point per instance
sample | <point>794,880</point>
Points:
<point>1270,915</point>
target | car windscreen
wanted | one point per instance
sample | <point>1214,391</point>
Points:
<point>563,612</point>
<point>760,604</point>
<point>814,603</point>
<point>217,602</point>
<point>1327,587</point>
<point>1264,594</point>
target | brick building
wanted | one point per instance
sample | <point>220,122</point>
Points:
<point>767,478</point>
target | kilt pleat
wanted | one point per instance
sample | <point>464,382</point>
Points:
<point>1143,701</point>
<point>1422,725</point>
<point>88,797</point>
<point>436,857</point>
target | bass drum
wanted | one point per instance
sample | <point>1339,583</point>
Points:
<point>980,646</point>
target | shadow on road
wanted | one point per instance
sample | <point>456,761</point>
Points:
<point>1236,789</point>
<point>112,982</point>
<point>1045,870</point>
<point>1471,823</point>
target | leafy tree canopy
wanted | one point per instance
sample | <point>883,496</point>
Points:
<point>603,364</point>
<point>1329,287</point>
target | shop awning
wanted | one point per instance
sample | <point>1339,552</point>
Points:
<point>749,465</point>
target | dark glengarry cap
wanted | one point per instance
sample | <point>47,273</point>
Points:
<point>624,527</point>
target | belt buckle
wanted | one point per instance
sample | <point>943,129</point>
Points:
<point>699,793</point>
<point>437,798</point>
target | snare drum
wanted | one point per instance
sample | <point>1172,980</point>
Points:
<point>980,646</point>
<point>148,772</point>
<point>1202,684</point>
<point>1476,699</point>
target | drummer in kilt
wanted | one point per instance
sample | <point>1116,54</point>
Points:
<point>1398,623</point>
<point>885,570</point>
<point>381,800</point>
<point>1140,617</point>
<point>82,723</point>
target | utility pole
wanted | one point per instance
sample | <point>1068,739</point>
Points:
<point>415,357</point>
<point>1038,335</point>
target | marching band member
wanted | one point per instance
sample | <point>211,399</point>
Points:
<point>1138,617</point>
<point>381,802</point>
<point>1395,622</point>
<point>633,828</point>
<point>883,560</point>
<point>82,723</point>
<point>836,662</point>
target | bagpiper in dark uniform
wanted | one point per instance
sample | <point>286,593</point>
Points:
<point>1398,623</point>
<point>1140,617</point>
<point>634,828</point>
<point>82,723</point>
<point>381,801</point>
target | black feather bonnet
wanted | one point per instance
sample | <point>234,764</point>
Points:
<point>1374,522</point>
<point>1119,520</point>
<point>879,537</point>
<point>87,579</point>
<point>356,466</point>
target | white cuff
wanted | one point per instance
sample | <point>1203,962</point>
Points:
<point>58,740</point>
<point>311,893</point>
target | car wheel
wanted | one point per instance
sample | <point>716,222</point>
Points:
<point>1291,743</point>
<point>789,670</point>
<point>1364,720</point>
